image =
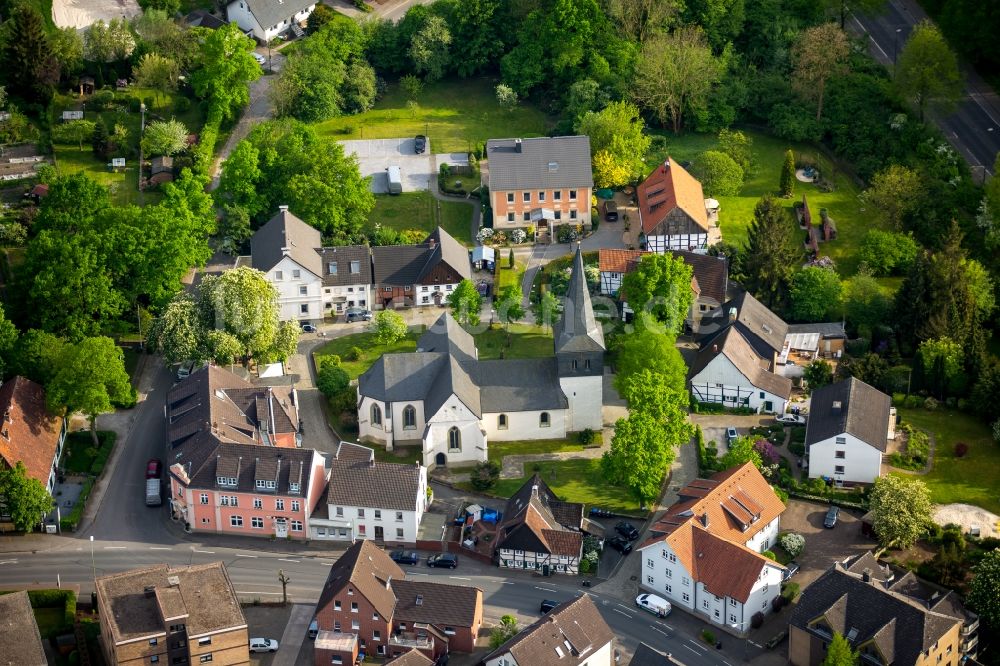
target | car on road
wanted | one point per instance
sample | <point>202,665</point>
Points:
<point>405,557</point>
<point>651,603</point>
<point>621,544</point>
<point>443,561</point>
<point>627,530</point>
<point>610,211</point>
<point>731,434</point>
<point>259,58</point>
<point>831,517</point>
<point>791,569</point>
<point>791,419</point>
<point>547,605</point>
<point>419,144</point>
<point>307,327</point>
<point>154,468</point>
<point>357,314</point>
<point>263,645</point>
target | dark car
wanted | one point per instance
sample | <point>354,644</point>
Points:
<point>610,211</point>
<point>419,144</point>
<point>154,468</point>
<point>620,544</point>
<point>547,605</point>
<point>627,530</point>
<point>831,517</point>
<point>404,557</point>
<point>791,569</point>
<point>358,314</point>
<point>443,561</point>
<point>307,327</point>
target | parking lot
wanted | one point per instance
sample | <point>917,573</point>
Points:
<point>823,546</point>
<point>418,171</point>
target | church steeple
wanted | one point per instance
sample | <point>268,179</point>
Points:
<point>577,329</point>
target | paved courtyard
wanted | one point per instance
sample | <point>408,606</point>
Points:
<point>823,546</point>
<point>419,172</point>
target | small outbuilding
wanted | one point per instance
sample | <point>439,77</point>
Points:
<point>483,257</point>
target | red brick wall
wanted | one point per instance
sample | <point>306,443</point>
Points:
<point>326,617</point>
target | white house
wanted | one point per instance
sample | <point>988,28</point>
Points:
<point>673,214</point>
<point>266,19</point>
<point>366,499</point>
<point>705,553</point>
<point>849,426</point>
<point>347,278</point>
<point>572,634</point>
<point>728,371</point>
<point>447,401</point>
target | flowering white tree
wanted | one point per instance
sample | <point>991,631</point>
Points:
<point>793,543</point>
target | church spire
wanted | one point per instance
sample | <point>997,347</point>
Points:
<point>578,330</point>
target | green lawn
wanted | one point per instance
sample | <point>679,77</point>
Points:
<point>78,456</point>
<point>50,620</point>
<point>578,480</point>
<point>526,341</point>
<point>737,212</point>
<point>455,116</point>
<point>370,349</point>
<point>522,448</point>
<point>973,479</point>
<point>419,210</point>
<point>507,276</point>
<point>124,186</point>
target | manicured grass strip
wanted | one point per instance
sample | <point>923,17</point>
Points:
<point>419,210</point>
<point>498,450</point>
<point>370,349</point>
<point>508,276</point>
<point>526,341</point>
<point>578,480</point>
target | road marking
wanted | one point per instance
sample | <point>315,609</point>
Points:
<point>621,605</point>
<point>9,562</point>
<point>661,631</point>
<point>267,593</point>
<point>281,559</point>
<point>698,646</point>
<point>547,589</point>
<point>114,548</point>
<point>242,555</point>
<point>207,552</point>
<point>726,663</point>
<point>459,578</point>
<point>628,615</point>
<point>158,548</point>
<point>664,624</point>
<point>692,650</point>
<point>755,645</point>
<point>507,582</point>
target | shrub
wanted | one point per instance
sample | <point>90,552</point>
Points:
<point>584,566</point>
<point>780,492</point>
<point>708,636</point>
<point>354,354</point>
<point>485,475</point>
<point>757,620</point>
<point>930,404</point>
<point>777,603</point>
<point>961,448</point>
<point>586,436</point>
<point>720,174</point>
<point>789,591</point>
<point>797,448</point>
<point>769,554</point>
<point>331,379</point>
<point>793,543</point>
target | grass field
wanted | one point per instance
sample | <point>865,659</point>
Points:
<point>520,448</point>
<point>371,350</point>
<point>455,116</point>
<point>50,620</point>
<point>419,210</point>
<point>507,276</point>
<point>526,341</point>
<point>578,480</point>
<point>737,212</point>
<point>973,479</point>
<point>78,458</point>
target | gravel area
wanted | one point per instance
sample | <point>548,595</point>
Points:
<point>80,14</point>
<point>968,515</point>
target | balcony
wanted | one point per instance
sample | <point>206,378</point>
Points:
<point>970,627</point>
<point>410,640</point>
<point>970,644</point>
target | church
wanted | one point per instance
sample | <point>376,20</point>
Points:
<point>447,401</point>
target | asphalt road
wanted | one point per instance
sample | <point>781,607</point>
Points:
<point>254,575</point>
<point>973,128</point>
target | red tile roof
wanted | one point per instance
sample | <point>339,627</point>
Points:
<point>618,261</point>
<point>29,433</point>
<point>670,186</point>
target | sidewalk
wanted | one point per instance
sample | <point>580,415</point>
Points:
<point>293,636</point>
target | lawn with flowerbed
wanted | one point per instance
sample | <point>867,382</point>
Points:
<point>419,210</point>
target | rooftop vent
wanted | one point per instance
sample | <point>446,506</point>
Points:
<point>837,406</point>
<point>517,145</point>
<point>866,575</point>
<point>173,581</point>
<point>420,600</point>
<point>553,167</point>
<point>283,208</point>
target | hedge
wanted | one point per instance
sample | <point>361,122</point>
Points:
<point>69,523</point>
<point>56,599</point>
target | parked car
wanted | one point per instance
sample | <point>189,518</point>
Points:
<point>791,569</point>
<point>263,645</point>
<point>405,557</point>
<point>259,58</point>
<point>731,434</point>
<point>313,628</point>
<point>547,605</point>
<point>154,468</point>
<point>610,211</point>
<point>831,517</point>
<point>419,144</point>
<point>621,544</point>
<point>307,327</point>
<point>627,530</point>
<point>791,419</point>
<point>651,603</point>
<point>185,369</point>
<point>443,561</point>
<point>357,314</point>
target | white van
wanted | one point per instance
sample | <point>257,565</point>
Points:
<point>651,603</point>
<point>185,369</point>
<point>395,179</point>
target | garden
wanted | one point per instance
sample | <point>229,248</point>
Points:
<point>420,210</point>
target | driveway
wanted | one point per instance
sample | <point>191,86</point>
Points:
<point>823,546</point>
<point>419,171</point>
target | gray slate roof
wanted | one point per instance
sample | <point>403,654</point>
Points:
<point>357,479</point>
<point>285,234</point>
<point>519,385</point>
<point>20,641</point>
<point>763,329</point>
<point>272,12</point>
<point>578,329</point>
<point>404,265</point>
<point>647,656</point>
<point>863,412</point>
<point>900,625</point>
<point>738,350</point>
<point>343,256</point>
<point>543,164</point>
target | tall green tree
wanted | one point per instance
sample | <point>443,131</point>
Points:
<point>466,303</point>
<point>640,20</point>
<point>901,509</point>
<point>479,27</point>
<point>927,69</point>
<point>866,305</point>
<point>157,72</point>
<point>29,65</point>
<point>91,379</point>
<point>178,333</point>
<point>787,184</point>
<point>641,453</point>
<point>108,42</point>
<point>388,327</point>
<point>815,294</point>
<point>984,590</point>
<point>225,69</point>
<point>617,143</point>
<point>741,451</point>
<point>164,137</point>
<point>503,632</point>
<point>660,286</point>
<point>722,20</point>
<point>508,305</point>
<point>429,48</point>
<point>645,348</point>
<point>819,54</point>
<point>36,355</point>
<point>818,374</point>
<point>894,193</point>
<point>839,652</point>
<point>546,310</point>
<point>25,497</point>
<point>654,394</point>
<point>772,254</point>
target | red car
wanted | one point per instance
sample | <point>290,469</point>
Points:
<point>153,468</point>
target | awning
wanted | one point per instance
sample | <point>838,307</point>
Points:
<point>483,253</point>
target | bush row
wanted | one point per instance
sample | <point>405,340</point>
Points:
<point>69,523</point>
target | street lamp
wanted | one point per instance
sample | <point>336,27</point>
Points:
<point>895,48</point>
<point>93,564</point>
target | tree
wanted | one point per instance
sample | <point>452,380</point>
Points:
<point>722,20</point>
<point>656,395</point>
<point>331,379</point>
<point>894,193</point>
<point>485,475</point>
<point>359,89</point>
<point>641,19</point>
<point>984,590</point>
<point>67,48</point>
<point>940,366</point>
<point>466,303</point>
<point>100,140</point>
<point>547,309</point>
<point>36,356</point>
<point>388,327</point>
<point>927,69</point>
<point>720,175</point>
<point>866,304</point>
<point>74,131</point>
<point>157,72</point>
<point>242,303</point>
<point>29,66</point>
<point>819,54</point>
<point>320,16</point>
<point>91,379</point>
<point>108,42</point>
<point>647,349</point>
<point>8,342</point>
<point>675,75</point>
<point>508,306</point>
<point>226,67</point>
<point>660,286</point>
<point>412,86</point>
<point>839,653</point>
<point>429,48</point>
<point>818,374</point>
<point>178,333</point>
<point>741,451</point>
<point>640,455</point>
<point>617,143</point>
<point>888,252</point>
<point>788,174</point>
<point>901,509</point>
<point>739,147</point>
<point>771,254</point>
<point>506,97</point>
<point>510,259</point>
<point>164,137</point>
<point>25,498</point>
<point>815,294</point>
<point>503,632</point>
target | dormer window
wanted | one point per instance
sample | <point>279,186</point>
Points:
<point>293,487</point>
<point>355,267</point>
<point>226,480</point>
<point>332,267</point>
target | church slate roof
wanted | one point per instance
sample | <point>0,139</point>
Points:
<point>578,330</point>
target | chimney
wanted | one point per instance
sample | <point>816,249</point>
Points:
<point>733,315</point>
<point>534,490</point>
<point>715,349</point>
<point>283,208</point>
<point>704,520</point>
<point>517,145</point>
<point>432,243</point>
<point>837,406</point>
<point>149,591</point>
<point>866,576</point>
<point>666,165</point>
